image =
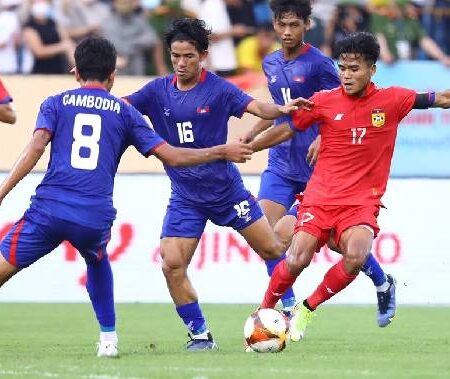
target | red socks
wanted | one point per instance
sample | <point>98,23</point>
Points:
<point>280,281</point>
<point>334,281</point>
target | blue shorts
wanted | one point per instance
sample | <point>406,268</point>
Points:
<point>186,219</point>
<point>278,189</point>
<point>36,235</point>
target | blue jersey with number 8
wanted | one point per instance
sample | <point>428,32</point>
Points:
<point>90,131</point>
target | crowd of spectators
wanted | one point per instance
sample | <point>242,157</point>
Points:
<point>38,36</point>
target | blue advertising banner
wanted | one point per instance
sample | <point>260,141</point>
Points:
<point>423,142</point>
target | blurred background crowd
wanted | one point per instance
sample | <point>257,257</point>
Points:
<point>39,36</point>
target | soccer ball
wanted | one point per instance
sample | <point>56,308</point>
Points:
<point>265,331</point>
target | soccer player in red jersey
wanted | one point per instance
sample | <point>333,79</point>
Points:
<point>358,124</point>
<point>7,113</point>
<point>299,69</point>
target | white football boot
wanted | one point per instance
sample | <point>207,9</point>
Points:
<point>107,349</point>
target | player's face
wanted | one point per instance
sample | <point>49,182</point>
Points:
<point>355,73</point>
<point>186,61</point>
<point>290,29</point>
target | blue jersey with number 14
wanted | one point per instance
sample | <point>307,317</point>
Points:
<point>309,72</point>
<point>90,131</point>
<point>197,118</point>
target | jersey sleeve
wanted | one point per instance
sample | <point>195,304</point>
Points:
<point>327,74</point>
<point>236,100</point>
<point>141,136</point>
<point>142,99</point>
<point>284,119</point>
<point>47,116</point>
<point>4,95</point>
<point>405,101</point>
<point>303,118</point>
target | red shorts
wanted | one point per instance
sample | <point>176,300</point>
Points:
<point>320,221</point>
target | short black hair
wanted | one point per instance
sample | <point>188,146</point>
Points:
<point>95,58</point>
<point>301,8</point>
<point>189,29</point>
<point>360,43</point>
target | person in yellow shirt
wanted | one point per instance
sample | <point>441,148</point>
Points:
<point>252,50</point>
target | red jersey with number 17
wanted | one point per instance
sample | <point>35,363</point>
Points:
<point>358,139</point>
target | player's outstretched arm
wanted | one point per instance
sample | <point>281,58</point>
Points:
<point>256,129</point>
<point>179,156</point>
<point>268,111</point>
<point>442,100</point>
<point>272,137</point>
<point>7,114</point>
<point>27,160</point>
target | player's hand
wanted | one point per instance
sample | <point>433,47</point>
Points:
<point>247,137</point>
<point>295,104</point>
<point>313,151</point>
<point>237,152</point>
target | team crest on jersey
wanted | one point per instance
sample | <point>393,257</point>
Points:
<point>167,111</point>
<point>378,118</point>
<point>273,79</point>
<point>202,110</point>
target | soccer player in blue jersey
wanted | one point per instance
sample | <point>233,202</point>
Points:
<point>191,108</point>
<point>299,69</point>
<point>89,129</point>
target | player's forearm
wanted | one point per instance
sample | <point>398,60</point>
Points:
<point>267,111</point>
<point>442,100</point>
<point>272,137</point>
<point>192,157</point>
<point>27,160</point>
<point>257,129</point>
<point>7,114</point>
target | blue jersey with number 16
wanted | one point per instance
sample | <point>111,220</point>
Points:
<point>197,118</point>
<point>90,131</point>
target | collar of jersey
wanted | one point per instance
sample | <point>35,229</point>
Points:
<point>97,86</point>
<point>202,78</point>
<point>305,48</point>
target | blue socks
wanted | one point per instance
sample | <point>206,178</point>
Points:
<point>192,316</point>
<point>288,298</point>
<point>374,271</point>
<point>100,289</point>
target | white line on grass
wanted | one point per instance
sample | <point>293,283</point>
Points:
<point>45,374</point>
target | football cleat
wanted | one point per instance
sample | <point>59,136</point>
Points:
<point>386,303</point>
<point>107,349</point>
<point>301,318</point>
<point>197,344</point>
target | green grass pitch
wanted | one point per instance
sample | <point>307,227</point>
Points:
<point>58,341</point>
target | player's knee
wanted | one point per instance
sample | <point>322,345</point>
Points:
<point>272,250</point>
<point>171,265</point>
<point>354,259</point>
<point>297,262</point>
